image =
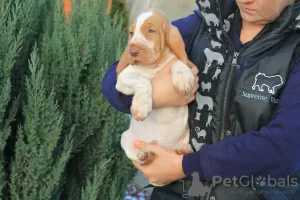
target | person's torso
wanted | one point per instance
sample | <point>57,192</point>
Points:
<point>239,90</point>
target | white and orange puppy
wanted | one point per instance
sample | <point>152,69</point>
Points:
<point>153,42</point>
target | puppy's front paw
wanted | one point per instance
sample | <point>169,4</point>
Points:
<point>184,149</point>
<point>183,79</point>
<point>123,87</point>
<point>141,106</point>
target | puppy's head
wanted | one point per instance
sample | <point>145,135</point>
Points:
<point>151,37</point>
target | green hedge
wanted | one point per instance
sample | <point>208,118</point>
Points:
<point>60,139</point>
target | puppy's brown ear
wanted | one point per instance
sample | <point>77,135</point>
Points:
<point>175,42</point>
<point>123,62</point>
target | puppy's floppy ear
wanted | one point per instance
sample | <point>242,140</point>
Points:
<point>123,62</point>
<point>175,42</point>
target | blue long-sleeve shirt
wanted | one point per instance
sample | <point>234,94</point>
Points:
<point>274,150</point>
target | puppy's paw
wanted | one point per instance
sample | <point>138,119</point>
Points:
<point>141,106</point>
<point>145,157</point>
<point>184,149</point>
<point>124,88</point>
<point>183,79</point>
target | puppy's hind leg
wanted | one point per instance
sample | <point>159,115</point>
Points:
<point>142,156</point>
<point>127,139</point>
<point>184,146</point>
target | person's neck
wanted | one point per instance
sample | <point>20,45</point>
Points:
<point>249,31</point>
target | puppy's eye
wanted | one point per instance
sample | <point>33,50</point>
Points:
<point>131,33</point>
<point>151,30</point>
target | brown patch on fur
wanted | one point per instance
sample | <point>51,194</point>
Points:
<point>141,53</point>
<point>165,37</point>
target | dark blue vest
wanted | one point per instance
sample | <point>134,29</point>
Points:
<point>239,91</point>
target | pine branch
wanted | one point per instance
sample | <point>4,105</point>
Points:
<point>4,133</point>
<point>37,167</point>
<point>10,44</point>
<point>92,189</point>
<point>99,35</point>
<point>29,21</point>
<point>74,57</point>
<point>66,137</point>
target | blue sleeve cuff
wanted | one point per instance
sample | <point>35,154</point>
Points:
<point>191,163</point>
<point>115,98</point>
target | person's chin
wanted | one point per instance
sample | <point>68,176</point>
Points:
<point>255,20</point>
<point>249,18</point>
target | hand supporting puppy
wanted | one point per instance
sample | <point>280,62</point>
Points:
<point>165,168</point>
<point>164,94</point>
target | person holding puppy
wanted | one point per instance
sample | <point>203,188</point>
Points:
<point>244,115</point>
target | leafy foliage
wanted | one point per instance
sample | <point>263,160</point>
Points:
<point>60,139</point>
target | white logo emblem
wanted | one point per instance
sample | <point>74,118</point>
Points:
<point>271,82</point>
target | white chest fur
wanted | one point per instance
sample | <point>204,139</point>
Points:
<point>169,125</point>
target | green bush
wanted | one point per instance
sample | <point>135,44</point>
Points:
<point>60,139</point>
<point>120,9</point>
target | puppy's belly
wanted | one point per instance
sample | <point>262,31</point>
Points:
<point>168,126</point>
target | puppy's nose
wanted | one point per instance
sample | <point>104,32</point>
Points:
<point>134,51</point>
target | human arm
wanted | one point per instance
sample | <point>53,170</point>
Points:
<point>271,151</point>
<point>116,99</point>
<point>121,102</point>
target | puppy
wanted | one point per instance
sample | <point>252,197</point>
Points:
<point>152,43</point>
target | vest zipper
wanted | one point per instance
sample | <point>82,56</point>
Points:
<point>228,87</point>
<point>232,74</point>
<point>234,60</point>
<point>228,83</point>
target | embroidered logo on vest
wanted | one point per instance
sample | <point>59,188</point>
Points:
<point>264,84</point>
<point>270,82</point>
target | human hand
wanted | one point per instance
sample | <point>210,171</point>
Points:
<point>165,167</point>
<point>164,93</point>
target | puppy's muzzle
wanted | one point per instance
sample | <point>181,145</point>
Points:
<point>134,51</point>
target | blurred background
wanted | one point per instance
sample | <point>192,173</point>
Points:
<point>129,9</point>
<point>173,8</point>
